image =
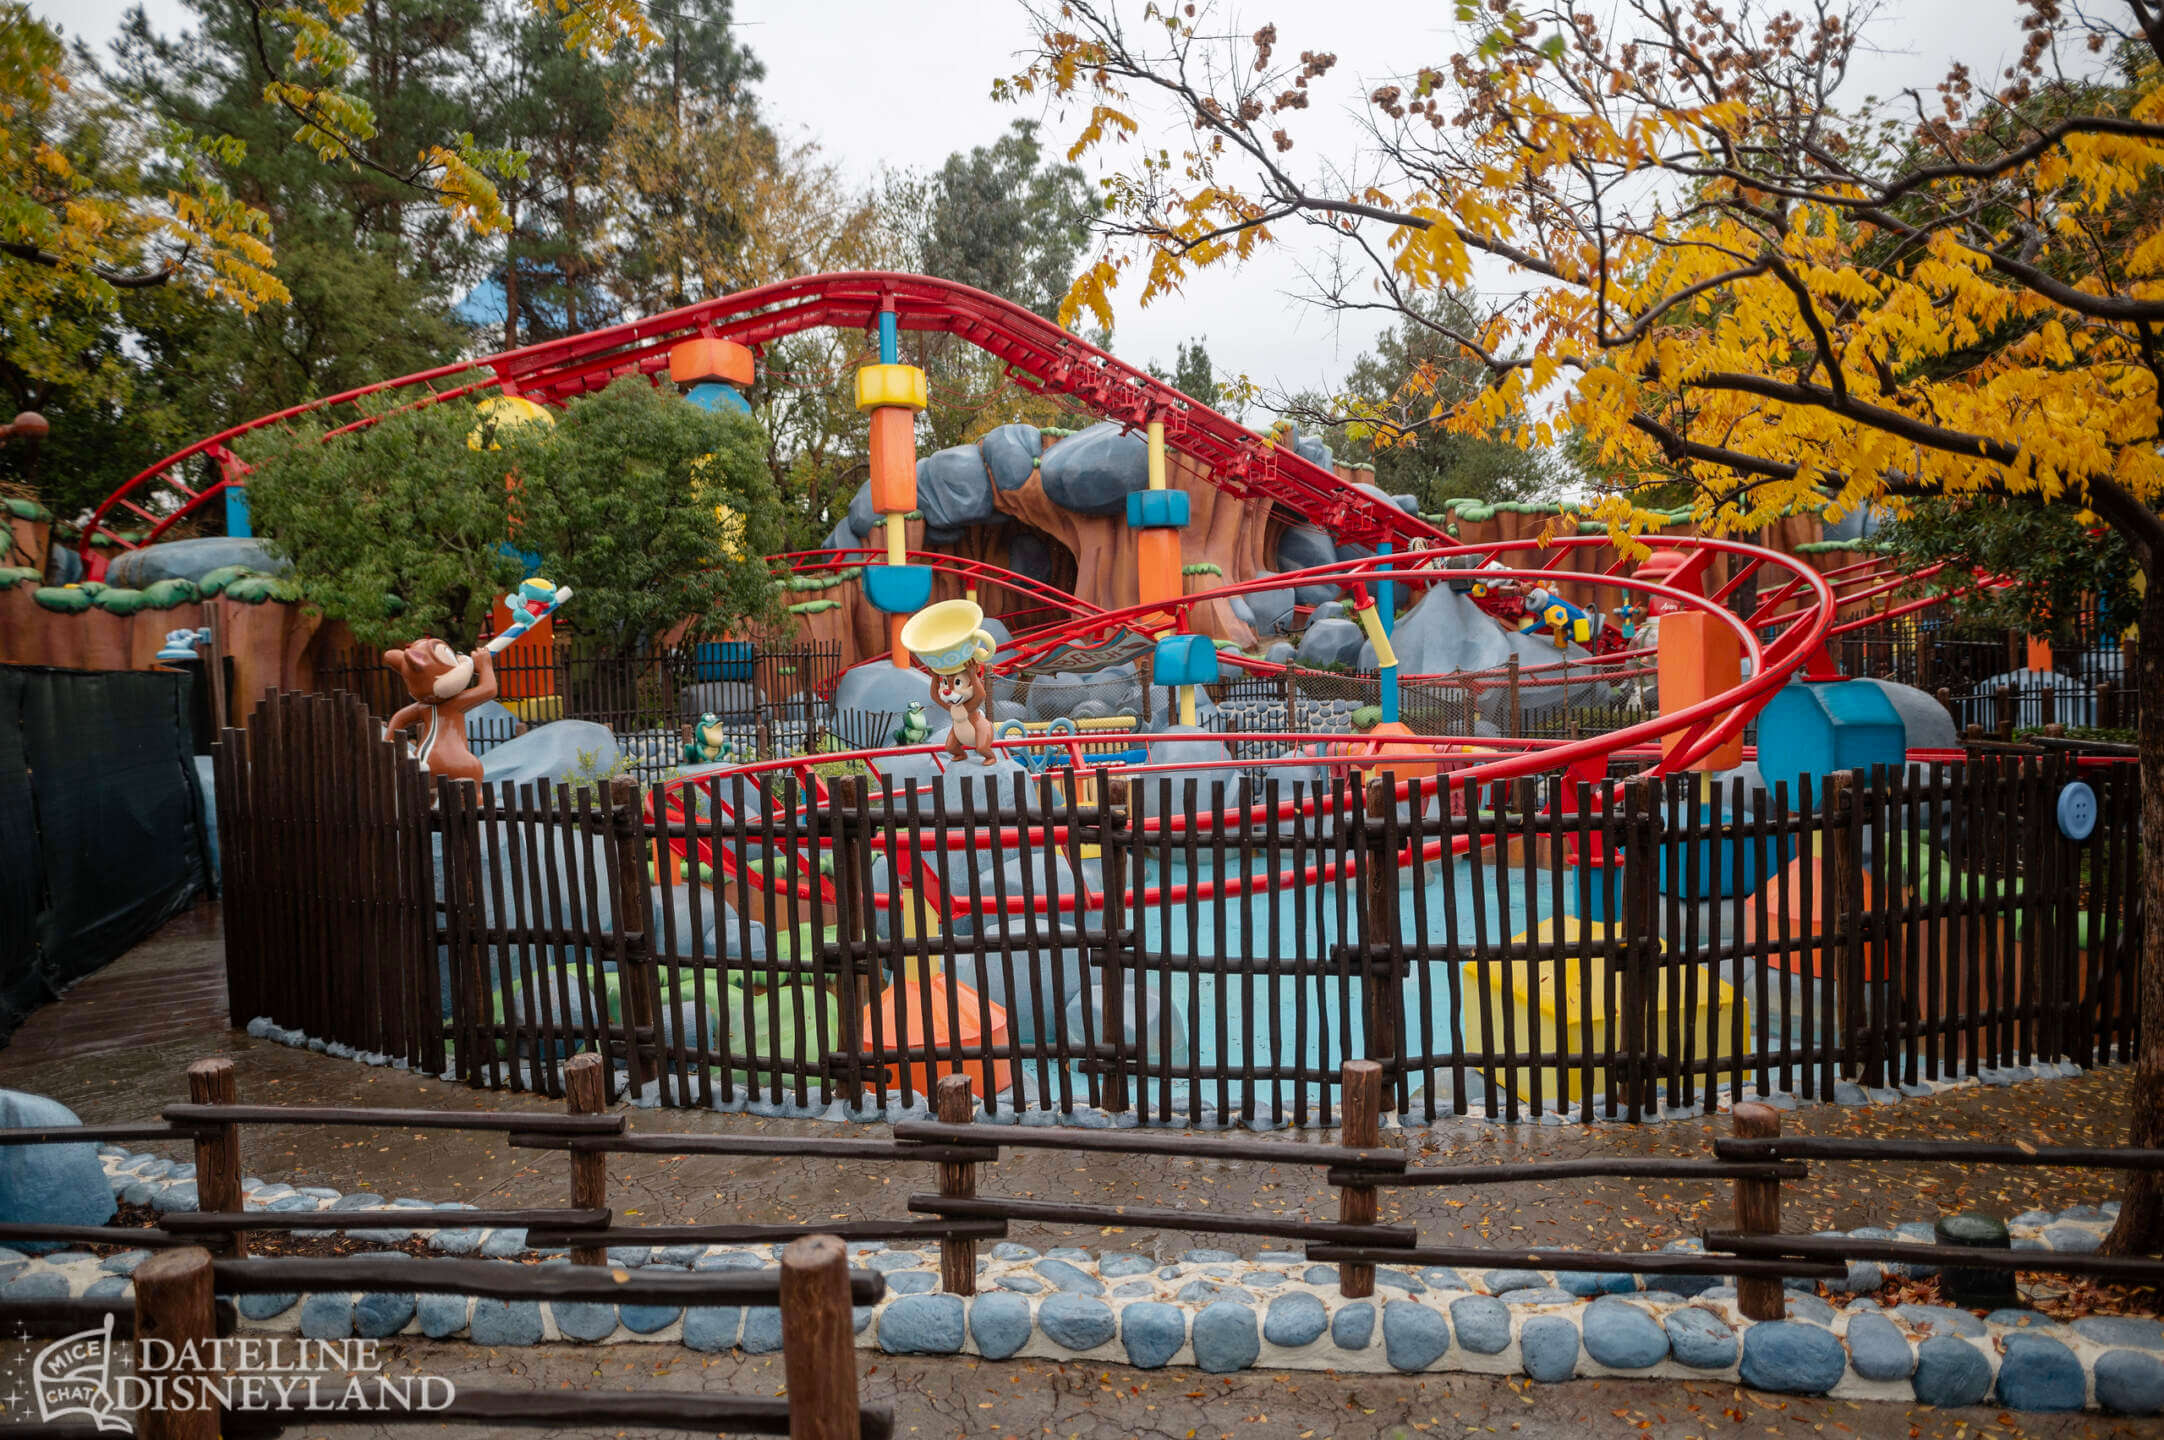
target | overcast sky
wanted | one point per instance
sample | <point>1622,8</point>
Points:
<point>880,83</point>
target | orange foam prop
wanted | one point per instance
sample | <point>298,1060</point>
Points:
<point>1699,659</point>
<point>1158,555</point>
<point>900,1018</point>
<point>709,357</point>
<point>1784,896</point>
<point>894,460</point>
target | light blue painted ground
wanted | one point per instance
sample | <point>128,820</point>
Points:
<point>1302,931</point>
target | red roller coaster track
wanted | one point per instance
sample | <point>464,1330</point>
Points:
<point>1037,353</point>
<point>1802,614</point>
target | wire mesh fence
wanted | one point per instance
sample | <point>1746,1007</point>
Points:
<point>739,699</point>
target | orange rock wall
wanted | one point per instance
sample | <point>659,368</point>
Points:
<point>273,646</point>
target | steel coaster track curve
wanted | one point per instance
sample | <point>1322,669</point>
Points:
<point>1038,353</point>
<point>976,572</point>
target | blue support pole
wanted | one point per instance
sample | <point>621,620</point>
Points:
<point>236,512</point>
<point>890,339</point>
<point>1385,612</point>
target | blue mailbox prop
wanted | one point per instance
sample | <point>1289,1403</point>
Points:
<point>898,589</point>
<point>1816,728</point>
<point>1186,660</point>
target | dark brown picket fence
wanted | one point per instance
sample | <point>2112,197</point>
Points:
<point>1522,949</point>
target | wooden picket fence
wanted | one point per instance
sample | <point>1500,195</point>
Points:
<point>1089,940</point>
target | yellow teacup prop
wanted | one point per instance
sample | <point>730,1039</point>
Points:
<point>947,636</point>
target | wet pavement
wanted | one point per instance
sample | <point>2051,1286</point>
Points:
<point>133,1082</point>
<point>939,1399</point>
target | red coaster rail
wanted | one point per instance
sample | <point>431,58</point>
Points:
<point>1037,353</point>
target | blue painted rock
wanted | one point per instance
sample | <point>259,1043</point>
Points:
<point>1093,472</point>
<point>1950,1371</point>
<point>1153,1333</point>
<point>1010,453</point>
<point>1225,1337</point>
<point>1789,1357</point>
<point>49,1184</point>
<point>1414,1336</point>
<point>1000,1325</point>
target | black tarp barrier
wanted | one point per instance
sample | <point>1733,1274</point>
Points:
<point>101,822</point>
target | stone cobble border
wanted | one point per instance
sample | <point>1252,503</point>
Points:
<point>1844,1093</point>
<point>1217,1312</point>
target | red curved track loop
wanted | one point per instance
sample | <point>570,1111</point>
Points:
<point>1039,354</point>
<point>970,572</point>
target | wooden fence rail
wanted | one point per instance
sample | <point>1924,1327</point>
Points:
<point>175,1302</point>
<point>1754,1252</point>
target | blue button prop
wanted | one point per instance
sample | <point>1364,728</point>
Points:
<point>1157,509</point>
<point>2077,811</point>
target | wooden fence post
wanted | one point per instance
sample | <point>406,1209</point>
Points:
<point>844,792</point>
<point>2003,711</point>
<point>217,1147</point>
<point>818,1341</point>
<point>1112,813</point>
<point>1844,907</point>
<point>1362,1084</point>
<point>1379,881</point>
<point>634,970</point>
<point>1758,1212</point>
<point>953,1104</point>
<point>174,1306</point>
<point>1946,698</point>
<point>586,1092</point>
<point>1641,944</point>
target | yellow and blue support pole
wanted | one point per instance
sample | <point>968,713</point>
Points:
<point>893,393</point>
<point>1160,513</point>
<point>1377,625</point>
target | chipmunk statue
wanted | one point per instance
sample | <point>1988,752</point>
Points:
<point>436,676</point>
<point>963,695</point>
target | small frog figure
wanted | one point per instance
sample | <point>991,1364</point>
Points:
<point>916,726</point>
<point>708,743</point>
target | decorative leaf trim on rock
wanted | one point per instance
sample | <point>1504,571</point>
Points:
<point>14,575</point>
<point>823,582</point>
<point>210,583</point>
<point>1202,567</point>
<point>254,588</point>
<point>813,607</point>
<point>165,594</point>
<point>118,602</point>
<point>62,599</point>
<point>26,509</point>
<point>1828,547</point>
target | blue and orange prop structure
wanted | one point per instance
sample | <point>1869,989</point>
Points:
<point>892,394</point>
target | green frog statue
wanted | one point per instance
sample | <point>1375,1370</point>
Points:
<point>916,726</point>
<point>709,743</point>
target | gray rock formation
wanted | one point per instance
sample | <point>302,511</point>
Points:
<point>1093,472</point>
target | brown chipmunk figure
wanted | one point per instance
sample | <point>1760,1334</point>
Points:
<point>436,677</point>
<point>962,693</point>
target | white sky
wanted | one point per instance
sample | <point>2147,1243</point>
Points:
<point>880,83</point>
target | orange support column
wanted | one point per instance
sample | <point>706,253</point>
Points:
<point>1699,659</point>
<point>1158,552</point>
